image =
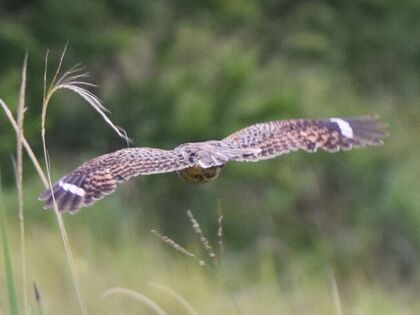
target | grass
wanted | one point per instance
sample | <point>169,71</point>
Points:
<point>135,262</point>
<point>137,296</point>
<point>72,80</point>
<point>204,242</point>
<point>19,180</point>
<point>137,274</point>
<point>11,290</point>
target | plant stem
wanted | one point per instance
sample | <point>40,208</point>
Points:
<point>19,181</point>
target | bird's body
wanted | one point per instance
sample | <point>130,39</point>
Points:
<point>198,175</point>
<point>201,162</point>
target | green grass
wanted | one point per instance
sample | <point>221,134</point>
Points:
<point>252,284</point>
<point>7,266</point>
<point>110,252</point>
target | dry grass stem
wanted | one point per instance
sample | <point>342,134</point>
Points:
<point>220,232</point>
<point>178,247</point>
<point>72,80</point>
<point>19,180</point>
<point>204,241</point>
<point>136,295</point>
<point>70,259</point>
<point>173,244</point>
<point>47,184</point>
<point>178,297</point>
<point>26,145</point>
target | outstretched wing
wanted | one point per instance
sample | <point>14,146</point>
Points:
<point>283,136</point>
<point>99,177</point>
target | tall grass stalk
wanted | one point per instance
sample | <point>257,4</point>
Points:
<point>72,80</point>
<point>19,181</point>
<point>47,183</point>
<point>66,242</point>
<point>13,304</point>
<point>70,259</point>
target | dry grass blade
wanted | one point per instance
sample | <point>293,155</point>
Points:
<point>176,296</point>
<point>177,247</point>
<point>136,295</point>
<point>19,179</point>
<point>204,241</point>
<point>73,80</point>
<point>95,102</point>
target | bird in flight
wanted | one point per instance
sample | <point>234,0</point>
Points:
<point>201,162</point>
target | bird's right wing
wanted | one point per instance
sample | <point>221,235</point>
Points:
<point>99,177</point>
<point>283,136</point>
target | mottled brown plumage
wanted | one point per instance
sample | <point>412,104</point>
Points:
<point>201,162</point>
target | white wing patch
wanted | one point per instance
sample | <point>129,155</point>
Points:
<point>344,126</point>
<point>72,188</point>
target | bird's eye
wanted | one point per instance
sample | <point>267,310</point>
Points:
<point>118,178</point>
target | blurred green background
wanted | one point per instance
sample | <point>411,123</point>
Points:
<point>179,71</point>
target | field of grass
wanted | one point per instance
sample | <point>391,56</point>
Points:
<point>110,253</point>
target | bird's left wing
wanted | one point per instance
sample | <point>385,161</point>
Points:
<point>283,136</point>
<point>99,177</point>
